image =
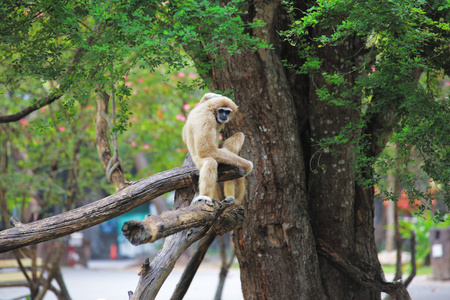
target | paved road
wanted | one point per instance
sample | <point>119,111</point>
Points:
<point>106,280</point>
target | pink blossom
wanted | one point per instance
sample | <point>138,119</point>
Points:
<point>447,83</point>
<point>373,69</point>
<point>133,118</point>
<point>43,110</point>
<point>181,74</point>
<point>61,128</point>
<point>133,144</point>
<point>39,15</point>
<point>186,106</point>
<point>128,83</point>
<point>140,80</point>
<point>135,91</point>
<point>181,117</point>
<point>165,3</point>
<point>23,121</point>
<point>125,77</point>
<point>406,145</point>
<point>157,136</point>
<point>146,146</point>
<point>192,76</point>
<point>220,137</point>
<point>88,106</point>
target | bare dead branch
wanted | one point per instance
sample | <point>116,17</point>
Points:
<point>396,289</point>
<point>155,227</point>
<point>220,219</point>
<point>192,267</point>
<point>153,275</point>
<point>224,268</point>
<point>107,208</point>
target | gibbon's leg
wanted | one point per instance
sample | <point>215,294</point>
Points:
<point>234,143</point>
<point>207,180</point>
<point>234,188</point>
<point>239,192</point>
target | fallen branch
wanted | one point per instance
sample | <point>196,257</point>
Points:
<point>107,208</point>
<point>395,289</point>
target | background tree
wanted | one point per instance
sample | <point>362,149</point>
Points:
<point>338,81</point>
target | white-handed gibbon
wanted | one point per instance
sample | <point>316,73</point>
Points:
<point>201,135</point>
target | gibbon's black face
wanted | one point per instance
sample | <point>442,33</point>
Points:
<point>223,114</point>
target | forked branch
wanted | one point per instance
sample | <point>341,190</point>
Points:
<point>107,208</point>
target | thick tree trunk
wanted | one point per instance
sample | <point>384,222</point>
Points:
<point>289,204</point>
<point>341,210</point>
<point>275,247</point>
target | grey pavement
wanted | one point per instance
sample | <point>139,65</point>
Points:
<point>111,280</point>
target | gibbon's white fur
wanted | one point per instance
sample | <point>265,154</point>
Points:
<point>201,135</point>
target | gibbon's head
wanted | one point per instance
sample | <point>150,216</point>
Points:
<point>223,108</point>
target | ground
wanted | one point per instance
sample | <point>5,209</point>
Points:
<point>110,280</point>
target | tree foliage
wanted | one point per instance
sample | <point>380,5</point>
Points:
<point>401,73</point>
<point>72,50</point>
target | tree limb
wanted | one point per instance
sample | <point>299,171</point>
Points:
<point>49,99</point>
<point>106,208</point>
<point>220,218</point>
<point>153,275</point>
<point>396,289</point>
<point>192,267</point>
<point>155,227</point>
<point>117,177</point>
<point>29,109</point>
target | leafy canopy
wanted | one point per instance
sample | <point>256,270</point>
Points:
<point>401,72</point>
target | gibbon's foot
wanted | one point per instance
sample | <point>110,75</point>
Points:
<point>229,199</point>
<point>201,199</point>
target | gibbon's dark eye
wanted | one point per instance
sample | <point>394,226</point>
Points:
<point>223,114</point>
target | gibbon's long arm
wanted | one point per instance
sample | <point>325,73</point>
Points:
<point>221,155</point>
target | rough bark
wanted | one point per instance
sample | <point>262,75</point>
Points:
<point>299,193</point>
<point>102,133</point>
<point>276,238</point>
<point>221,218</point>
<point>107,208</point>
